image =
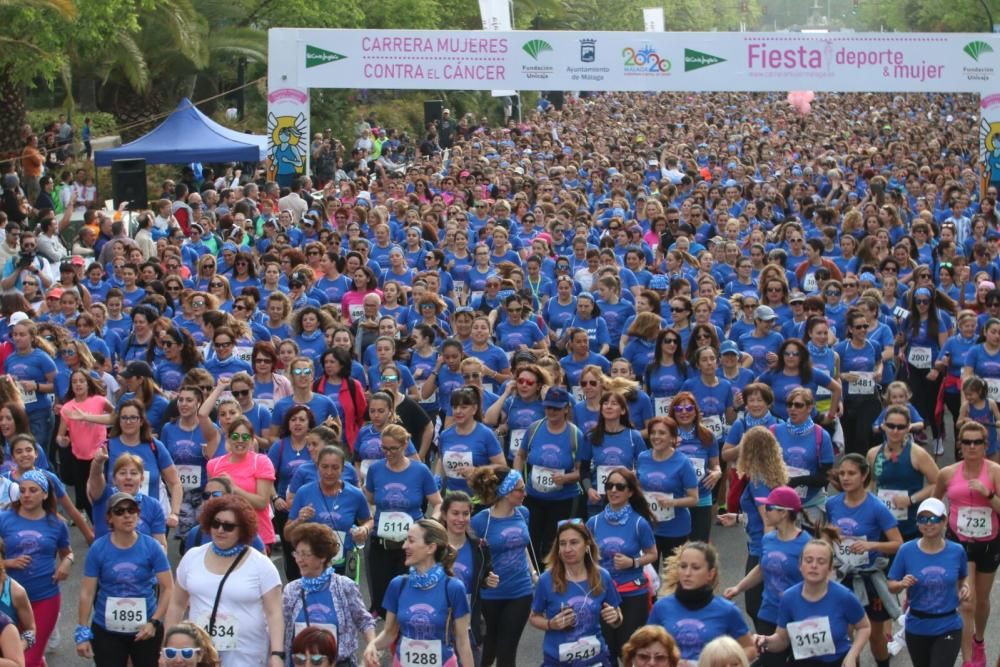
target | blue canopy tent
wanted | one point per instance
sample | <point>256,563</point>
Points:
<point>188,135</point>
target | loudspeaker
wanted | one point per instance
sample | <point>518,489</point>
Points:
<point>432,111</point>
<point>128,183</point>
<point>557,98</point>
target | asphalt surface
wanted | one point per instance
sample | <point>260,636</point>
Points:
<point>731,543</point>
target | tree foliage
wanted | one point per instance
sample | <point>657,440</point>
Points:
<point>927,15</point>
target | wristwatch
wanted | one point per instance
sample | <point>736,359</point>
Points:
<point>156,623</point>
<point>278,654</point>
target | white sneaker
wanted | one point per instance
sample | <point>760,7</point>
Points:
<point>54,639</point>
<point>938,447</point>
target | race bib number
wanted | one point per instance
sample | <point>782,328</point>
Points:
<point>602,477</point>
<point>225,634</point>
<point>823,392</point>
<point>430,399</point>
<point>661,405</point>
<point>394,526</point>
<point>715,425</point>
<point>848,557</point>
<point>459,287</point>
<point>356,311</point>
<point>543,479</point>
<point>420,652</point>
<point>811,638</point>
<point>516,440</point>
<point>26,396</point>
<point>920,357</point>
<point>803,491</point>
<point>365,465</point>
<point>455,463</point>
<point>126,615</point>
<point>863,384</point>
<point>244,354</point>
<point>329,627</point>
<point>699,467</point>
<point>578,393</point>
<point>809,283</point>
<point>660,513</point>
<point>886,496</point>
<point>475,295</point>
<point>584,648</point>
<point>993,388</point>
<point>342,551</point>
<point>974,522</point>
<point>190,476</point>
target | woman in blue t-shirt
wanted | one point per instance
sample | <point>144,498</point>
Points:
<point>426,611</point>
<point>125,576</point>
<point>613,443</point>
<point>551,456</point>
<point>925,332</point>
<point>519,407</point>
<point>190,451</point>
<point>573,599</point>
<point>868,533</point>
<point>690,610</point>
<point>467,443</point>
<point>933,572</point>
<point>667,372</point>
<point>31,365</point>
<point>503,528</point>
<point>817,617</point>
<point>38,554</point>
<point>700,446</point>
<point>624,537</point>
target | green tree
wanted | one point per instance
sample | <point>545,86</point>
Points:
<point>927,15</point>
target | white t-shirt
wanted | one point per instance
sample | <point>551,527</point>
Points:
<point>241,603</point>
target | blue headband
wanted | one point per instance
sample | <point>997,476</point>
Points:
<point>922,291</point>
<point>38,477</point>
<point>509,482</point>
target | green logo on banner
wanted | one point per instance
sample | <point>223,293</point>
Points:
<point>976,49</point>
<point>696,60</point>
<point>317,56</point>
<point>535,47</point>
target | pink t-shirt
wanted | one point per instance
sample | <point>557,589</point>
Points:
<point>245,474</point>
<point>85,438</point>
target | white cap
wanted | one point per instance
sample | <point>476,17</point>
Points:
<point>934,506</point>
<point>18,317</point>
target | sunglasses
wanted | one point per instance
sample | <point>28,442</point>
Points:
<point>214,285</point>
<point>223,343</point>
<point>237,437</point>
<point>241,393</point>
<point>684,408</point>
<point>833,293</point>
<point>575,522</point>
<point>862,327</point>
<point>186,653</point>
<point>302,371</point>
<point>68,352</point>
<point>792,353</point>
<point>224,526</point>
<point>973,443</point>
<point>773,508</point>
<point>302,659</point>
<point>850,284</point>
<point>922,302</point>
<point>391,450</point>
<point>678,310</point>
<point>798,405</point>
<point>933,520</point>
<point>896,427</point>
<point>390,378</point>
<point>205,495</point>
<point>198,304</point>
<point>239,306</point>
<point>615,486</point>
<point>128,509</point>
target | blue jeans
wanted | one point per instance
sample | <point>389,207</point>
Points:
<point>42,424</point>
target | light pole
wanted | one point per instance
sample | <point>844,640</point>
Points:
<point>989,14</point>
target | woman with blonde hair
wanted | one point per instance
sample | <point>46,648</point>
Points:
<point>723,652</point>
<point>189,645</point>
<point>651,645</point>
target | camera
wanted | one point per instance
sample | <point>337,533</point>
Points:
<point>25,260</point>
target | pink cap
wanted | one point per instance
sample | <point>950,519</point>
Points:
<point>784,497</point>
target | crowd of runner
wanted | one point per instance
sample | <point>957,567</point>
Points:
<point>521,380</point>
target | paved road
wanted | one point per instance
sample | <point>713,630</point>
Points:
<point>731,543</point>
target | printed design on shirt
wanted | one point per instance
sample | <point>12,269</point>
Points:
<point>848,527</point>
<point>586,615</point>
<point>689,635</point>
<point>513,542</point>
<point>421,621</point>
<point>773,566</point>
<point>128,576</point>
<point>186,451</point>
<point>29,543</point>
<point>395,496</point>
<point>551,456</point>
<point>933,587</point>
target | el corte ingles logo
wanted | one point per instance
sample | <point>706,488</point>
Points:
<point>696,60</point>
<point>317,56</point>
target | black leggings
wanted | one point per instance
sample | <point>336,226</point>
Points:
<point>924,395</point>
<point>81,472</point>
<point>753,597</point>
<point>927,651</point>
<point>665,547</point>
<point>635,613</point>
<point>701,523</point>
<point>114,649</point>
<point>544,521</point>
<point>859,415</point>
<point>505,621</point>
<point>291,567</point>
<point>769,659</point>
<point>383,565</point>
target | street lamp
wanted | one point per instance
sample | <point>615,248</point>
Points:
<point>989,14</point>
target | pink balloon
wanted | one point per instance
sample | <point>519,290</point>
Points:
<point>808,95</point>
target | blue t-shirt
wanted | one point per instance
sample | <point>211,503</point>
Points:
<point>782,384</point>
<point>759,347</point>
<point>423,614</point>
<point>630,537</point>
<point>35,366</point>
<point>511,337</point>
<point>936,590</point>
<point>692,629</point>
<point>617,450</point>
<point>674,476</point>
<point>307,473</point>
<point>983,364</point>
<point>840,606</point>
<point>587,605</point>
<point>340,512</point>
<point>124,573</point>
<point>779,563</point>
<point>400,491</point>
<point>553,451</point>
<point>286,461</point>
<point>321,406</point>
<point>508,540</point>
<point>460,452</point>
<point>869,521</point>
<point>690,445</point>
<point>803,454</point>
<point>41,539</point>
<point>185,449</point>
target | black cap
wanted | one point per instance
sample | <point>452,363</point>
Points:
<point>138,369</point>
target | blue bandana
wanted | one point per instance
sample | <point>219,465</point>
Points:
<point>314,584</point>
<point>428,579</point>
<point>509,482</point>
<point>38,477</point>
<point>617,517</point>
<point>226,553</point>
<point>801,429</point>
<point>752,421</point>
